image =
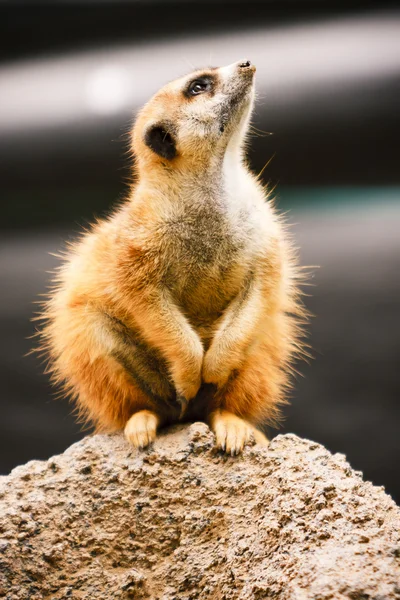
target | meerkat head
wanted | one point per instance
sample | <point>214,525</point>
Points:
<point>196,117</point>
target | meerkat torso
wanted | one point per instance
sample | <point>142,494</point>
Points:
<point>212,235</point>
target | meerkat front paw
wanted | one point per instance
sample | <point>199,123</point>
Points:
<point>213,371</point>
<point>141,428</point>
<point>232,433</point>
<point>187,388</point>
<point>186,374</point>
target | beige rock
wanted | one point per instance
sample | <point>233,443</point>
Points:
<point>180,521</point>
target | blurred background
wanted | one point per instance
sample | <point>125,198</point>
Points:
<point>73,74</point>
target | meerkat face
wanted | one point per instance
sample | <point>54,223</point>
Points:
<point>196,116</point>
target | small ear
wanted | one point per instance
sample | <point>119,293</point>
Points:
<point>160,141</point>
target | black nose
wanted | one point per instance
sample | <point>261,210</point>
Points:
<point>245,64</point>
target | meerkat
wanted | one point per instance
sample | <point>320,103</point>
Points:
<point>184,303</point>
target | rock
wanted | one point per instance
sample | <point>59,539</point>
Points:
<point>182,521</point>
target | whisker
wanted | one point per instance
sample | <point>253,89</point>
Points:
<point>266,165</point>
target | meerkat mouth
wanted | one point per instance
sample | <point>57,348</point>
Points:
<point>236,103</point>
<point>240,96</point>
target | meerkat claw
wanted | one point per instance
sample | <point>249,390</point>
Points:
<point>183,403</point>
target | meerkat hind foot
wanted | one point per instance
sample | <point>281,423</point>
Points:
<point>232,432</point>
<point>141,428</point>
<point>260,438</point>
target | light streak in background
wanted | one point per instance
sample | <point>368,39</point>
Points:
<point>293,63</point>
<point>107,89</point>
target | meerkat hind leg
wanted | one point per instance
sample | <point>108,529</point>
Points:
<point>141,428</point>
<point>232,432</point>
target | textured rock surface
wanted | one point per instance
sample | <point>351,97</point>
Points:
<point>180,521</point>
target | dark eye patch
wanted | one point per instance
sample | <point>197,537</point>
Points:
<point>199,85</point>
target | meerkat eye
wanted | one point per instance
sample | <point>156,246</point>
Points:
<point>199,86</point>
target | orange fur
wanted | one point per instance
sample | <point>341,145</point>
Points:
<point>181,289</point>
